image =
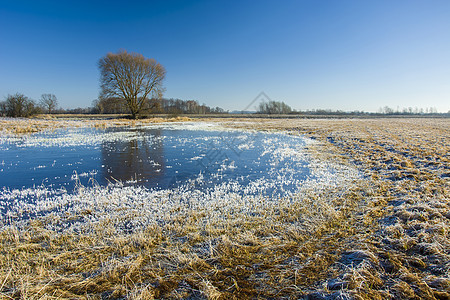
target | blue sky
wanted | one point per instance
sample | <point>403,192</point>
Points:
<point>347,55</point>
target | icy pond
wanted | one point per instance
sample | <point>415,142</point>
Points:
<point>148,174</point>
<point>157,157</point>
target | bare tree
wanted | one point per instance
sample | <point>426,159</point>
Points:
<point>132,77</point>
<point>48,102</point>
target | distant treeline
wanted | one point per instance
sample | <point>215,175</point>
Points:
<point>155,106</point>
<point>18,105</point>
<point>430,111</point>
<point>276,107</point>
<point>408,111</point>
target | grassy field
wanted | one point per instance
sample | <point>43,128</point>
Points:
<point>382,236</point>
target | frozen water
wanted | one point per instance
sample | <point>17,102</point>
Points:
<point>43,172</point>
<point>154,156</point>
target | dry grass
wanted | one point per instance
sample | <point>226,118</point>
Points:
<point>407,216</point>
<point>381,237</point>
<point>269,254</point>
<point>47,122</point>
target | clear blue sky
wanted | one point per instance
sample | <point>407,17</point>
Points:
<point>348,55</point>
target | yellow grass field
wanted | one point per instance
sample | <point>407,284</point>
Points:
<point>383,236</point>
